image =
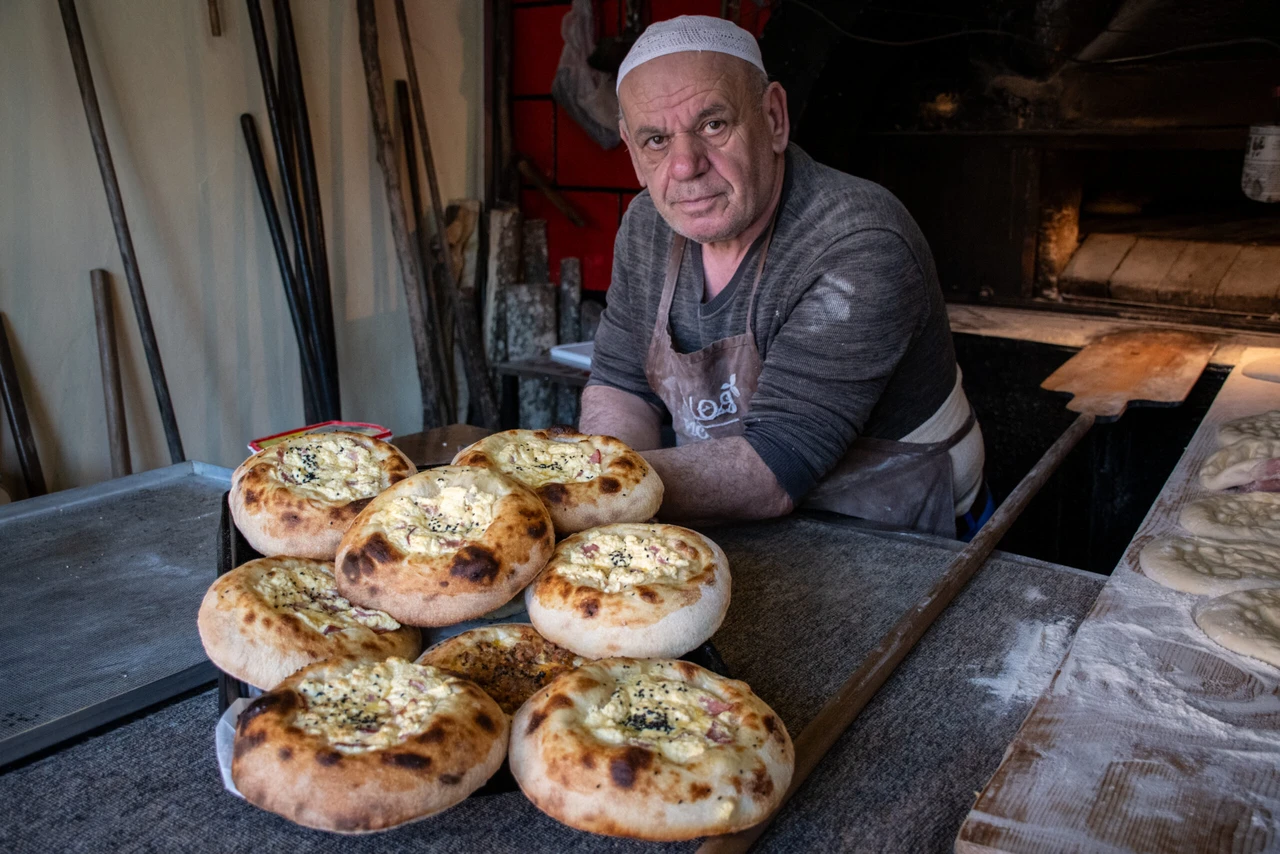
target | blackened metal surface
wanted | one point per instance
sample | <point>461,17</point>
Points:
<point>100,588</point>
<point>1089,510</point>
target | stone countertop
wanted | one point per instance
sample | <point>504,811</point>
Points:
<point>811,598</point>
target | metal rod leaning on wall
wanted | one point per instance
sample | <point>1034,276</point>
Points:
<point>306,291</point>
<point>307,357</point>
<point>429,372</point>
<point>457,301</point>
<point>16,407</point>
<point>430,293</point>
<point>311,199</point>
<point>132,273</point>
<point>109,360</point>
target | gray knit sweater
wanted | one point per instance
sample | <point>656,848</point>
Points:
<point>850,320</point>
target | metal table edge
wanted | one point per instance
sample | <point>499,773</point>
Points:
<point>129,483</point>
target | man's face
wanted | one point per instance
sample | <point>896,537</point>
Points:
<point>705,140</point>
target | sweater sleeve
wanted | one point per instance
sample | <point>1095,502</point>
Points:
<point>861,304</point>
<point>622,339</point>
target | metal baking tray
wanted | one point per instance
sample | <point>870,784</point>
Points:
<point>234,550</point>
<point>100,586</point>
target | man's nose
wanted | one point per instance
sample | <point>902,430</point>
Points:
<point>688,157</point>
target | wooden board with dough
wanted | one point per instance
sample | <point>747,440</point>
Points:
<point>1151,737</point>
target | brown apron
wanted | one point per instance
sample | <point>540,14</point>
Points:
<point>708,393</point>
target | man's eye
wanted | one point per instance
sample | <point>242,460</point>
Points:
<point>655,142</point>
<point>714,126</point>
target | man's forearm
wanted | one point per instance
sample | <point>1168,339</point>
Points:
<point>608,411</point>
<point>718,480</point>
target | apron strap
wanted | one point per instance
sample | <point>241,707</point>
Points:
<point>661,323</point>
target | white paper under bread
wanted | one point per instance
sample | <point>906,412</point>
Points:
<point>224,739</point>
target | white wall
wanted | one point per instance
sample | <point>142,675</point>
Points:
<point>171,96</point>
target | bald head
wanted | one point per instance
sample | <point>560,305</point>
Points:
<point>706,132</point>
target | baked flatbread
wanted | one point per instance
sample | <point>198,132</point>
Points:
<point>642,591</point>
<point>1252,516</point>
<point>447,545</point>
<point>584,480</point>
<point>298,497</point>
<point>1208,567</point>
<point>1250,463</point>
<point>510,661</point>
<point>358,747</point>
<point>266,618</point>
<point>1247,622</point>
<point>1265,425</point>
<point>658,750</point>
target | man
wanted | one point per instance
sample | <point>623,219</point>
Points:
<point>787,316</point>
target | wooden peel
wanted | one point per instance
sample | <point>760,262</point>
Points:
<point>1156,367</point>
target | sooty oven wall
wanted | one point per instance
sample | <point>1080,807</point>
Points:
<point>1088,511</point>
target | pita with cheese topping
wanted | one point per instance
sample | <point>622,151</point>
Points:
<point>299,496</point>
<point>643,591</point>
<point>510,661</point>
<point>361,747</point>
<point>656,750</point>
<point>584,480</point>
<point>447,545</point>
<point>267,618</point>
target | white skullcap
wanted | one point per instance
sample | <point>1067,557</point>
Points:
<point>691,32</point>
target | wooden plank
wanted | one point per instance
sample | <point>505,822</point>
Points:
<point>1090,269</point>
<point>1194,277</point>
<point>1139,275</point>
<point>15,406</point>
<point>1149,365</point>
<point>505,229</point>
<point>109,362</point>
<point>439,446</point>
<point>567,397</point>
<point>534,263</point>
<point>531,331</point>
<point>1252,282</point>
<point>1151,737</point>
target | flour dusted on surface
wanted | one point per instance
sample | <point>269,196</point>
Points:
<point>1030,663</point>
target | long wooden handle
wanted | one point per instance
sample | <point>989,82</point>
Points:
<point>841,710</point>
<point>108,358</point>
<point>429,373</point>
<point>132,273</point>
<point>16,406</point>
<point>458,303</point>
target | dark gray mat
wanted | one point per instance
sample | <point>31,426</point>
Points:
<point>99,589</point>
<point>810,600</point>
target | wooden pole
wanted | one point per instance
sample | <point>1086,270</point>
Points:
<point>132,273</point>
<point>430,289</point>
<point>327,391</point>
<point>458,302</point>
<point>215,19</point>
<point>307,357</point>
<point>109,360</point>
<point>16,407</point>
<point>312,209</point>
<point>834,718</point>
<point>529,170</point>
<point>428,375</point>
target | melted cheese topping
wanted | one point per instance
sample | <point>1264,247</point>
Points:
<point>537,462</point>
<point>309,592</point>
<point>678,720</point>
<point>614,562</point>
<point>373,706</point>
<point>334,468</point>
<point>437,524</point>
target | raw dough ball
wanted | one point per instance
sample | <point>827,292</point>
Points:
<point>1249,461</point>
<point>1235,517</point>
<point>1247,622</point>
<point>1210,568</point>
<point>1265,425</point>
<point>1266,368</point>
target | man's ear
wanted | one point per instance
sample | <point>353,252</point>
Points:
<point>775,112</point>
<point>626,140</point>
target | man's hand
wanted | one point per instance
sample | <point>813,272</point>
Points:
<point>719,480</point>
<point>608,411</point>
